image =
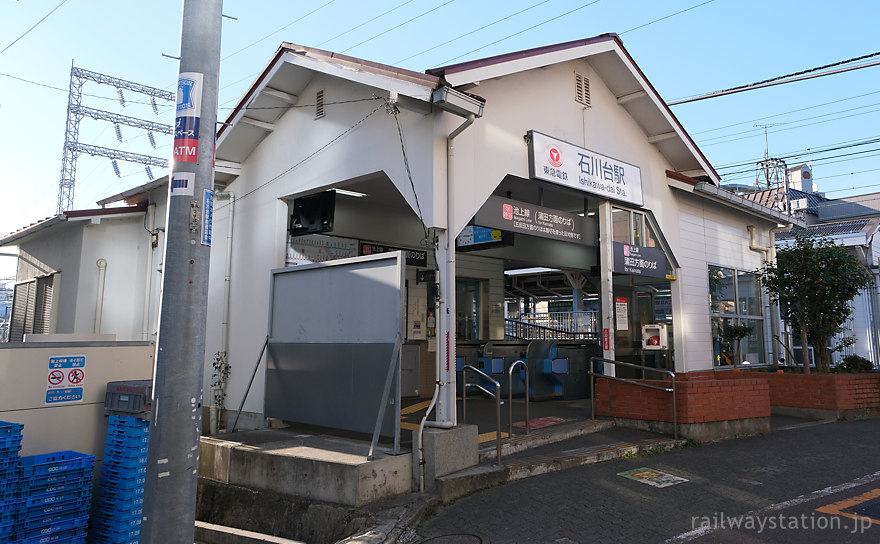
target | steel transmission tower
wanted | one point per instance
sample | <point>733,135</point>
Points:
<point>76,111</point>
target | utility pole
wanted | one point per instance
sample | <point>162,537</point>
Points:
<point>176,418</point>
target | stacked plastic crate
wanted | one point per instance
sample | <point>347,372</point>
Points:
<point>10,444</point>
<point>55,492</point>
<point>119,505</point>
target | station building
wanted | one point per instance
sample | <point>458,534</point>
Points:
<point>549,205</point>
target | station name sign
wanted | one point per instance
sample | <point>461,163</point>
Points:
<point>414,257</point>
<point>582,169</point>
<point>639,261</point>
<point>515,216</point>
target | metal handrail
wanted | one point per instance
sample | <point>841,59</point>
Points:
<point>529,331</point>
<point>633,382</point>
<point>497,395</point>
<point>510,397</point>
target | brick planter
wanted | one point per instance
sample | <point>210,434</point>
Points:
<point>711,406</point>
<point>825,396</point>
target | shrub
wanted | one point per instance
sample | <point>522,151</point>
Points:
<point>854,364</point>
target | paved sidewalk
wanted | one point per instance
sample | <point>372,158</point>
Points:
<point>782,478</point>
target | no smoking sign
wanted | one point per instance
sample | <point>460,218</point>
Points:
<point>65,379</point>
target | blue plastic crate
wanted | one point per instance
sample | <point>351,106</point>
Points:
<point>131,483</point>
<point>49,463</point>
<point>9,488</point>
<point>106,508</point>
<point>49,519</point>
<point>122,441</point>
<point>9,468</point>
<point>125,519</point>
<point>56,498</point>
<point>9,510</point>
<point>99,538</point>
<point>113,471</point>
<point>61,507</point>
<point>128,422</point>
<point>61,525</point>
<point>64,476</point>
<point>122,451</point>
<point>9,447</point>
<point>123,462</point>
<point>114,531</point>
<point>9,428</point>
<point>121,499</point>
<point>64,486</point>
<point>60,537</point>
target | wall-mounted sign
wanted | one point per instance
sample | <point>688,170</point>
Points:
<point>318,248</point>
<point>65,379</point>
<point>530,219</point>
<point>414,257</point>
<point>473,234</point>
<point>639,261</point>
<point>622,312</point>
<point>580,168</point>
<point>207,217</point>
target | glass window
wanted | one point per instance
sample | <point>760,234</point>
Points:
<point>721,290</point>
<point>735,300</point>
<point>638,229</point>
<point>748,293</point>
<point>620,226</point>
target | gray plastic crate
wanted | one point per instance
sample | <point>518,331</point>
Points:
<point>129,398</point>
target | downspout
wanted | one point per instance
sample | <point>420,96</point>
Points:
<point>145,319</point>
<point>99,302</point>
<point>449,294</point>
<point>769,253</point>
<point>214,419</point>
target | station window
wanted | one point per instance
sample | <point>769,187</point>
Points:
<point>735,299</point>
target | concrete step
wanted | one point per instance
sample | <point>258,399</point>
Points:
<point>543,437</point>
<point>210,533</point>
<point>551,457</point>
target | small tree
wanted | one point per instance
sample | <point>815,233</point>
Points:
<point>734,335</point>
<point>813,281</point>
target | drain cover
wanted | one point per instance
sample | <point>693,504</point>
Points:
<point>871,510</point>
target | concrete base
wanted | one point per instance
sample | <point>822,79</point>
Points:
<point>704,432</point>
<point>445,451</point>
<point>812,413</point>
<point>327,469</point>
<point>209,533</point>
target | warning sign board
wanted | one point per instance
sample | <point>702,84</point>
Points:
<point>65,379</point>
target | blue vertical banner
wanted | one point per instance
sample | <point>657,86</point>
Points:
<point>189,112</point>
<point>207,217</point>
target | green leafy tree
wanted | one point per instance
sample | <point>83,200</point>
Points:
<point>813,281</point>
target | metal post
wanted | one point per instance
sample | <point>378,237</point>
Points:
<point>172,462</point>
<point>510,396</point>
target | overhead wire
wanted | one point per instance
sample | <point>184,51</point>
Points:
<point>666,17</point>
<point>288,25</point>
<point>26,32</point>
<point>588,4</point>
<point>495,22</point>
<point>419,16</point>
<point>344,32</point>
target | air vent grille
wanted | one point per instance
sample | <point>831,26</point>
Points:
<point>319,104</point>
<point>581,89</point>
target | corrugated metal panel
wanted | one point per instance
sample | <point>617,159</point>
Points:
<point>43,305</point>
<point>22,311</point>
<point>828,229</point>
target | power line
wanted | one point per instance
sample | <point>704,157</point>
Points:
<point>761,127</point>
<point>26,32</point>
<point>793,154</point>
<point>788,78</point>
<point>783,113</point>
<point>398,26</point>
<point>343,33</point>
<point>588,4</point>
<point>666,17</point>
<point>322,6</point>
<point>472,31</point>
<point>792,128</point>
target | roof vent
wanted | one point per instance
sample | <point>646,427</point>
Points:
<point>319,104</point>
<point>581,89</point>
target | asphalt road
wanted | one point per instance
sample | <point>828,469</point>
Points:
<point>812,484</point>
